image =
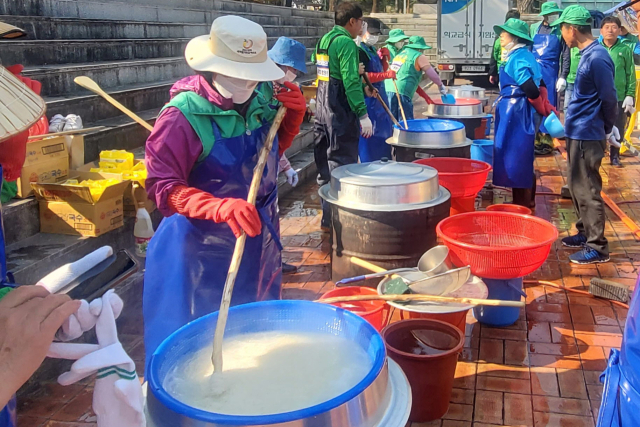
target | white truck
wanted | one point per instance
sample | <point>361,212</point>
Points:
<point>466,36</point>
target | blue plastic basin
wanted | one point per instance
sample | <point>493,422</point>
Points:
<point>506,290</point>
<point>431,125</point>
<point>554,126</point>
<point>482,150</point>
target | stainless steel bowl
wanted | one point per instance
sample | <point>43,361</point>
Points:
<point>384,186</point>
<point>435,261</point>
<point>455,110</point>
<point>430,133</point>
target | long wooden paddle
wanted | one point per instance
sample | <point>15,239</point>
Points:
<point>238,251</point>
<point>404,118</point>
<point>384,104</point>
<point>89,84</point>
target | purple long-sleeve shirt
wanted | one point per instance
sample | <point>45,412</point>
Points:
<point>173,147</point>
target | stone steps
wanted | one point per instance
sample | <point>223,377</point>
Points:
<point>44,52</point>
<point>43,28</point>
<point>57,80</point>
<point>191,11</point>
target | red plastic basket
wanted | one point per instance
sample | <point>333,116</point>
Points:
<point>497,245</point>
<point>462,177</point>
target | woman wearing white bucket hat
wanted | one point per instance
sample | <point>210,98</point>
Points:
<point>200,159</point>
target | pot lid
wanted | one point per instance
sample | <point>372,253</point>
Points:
<point>384,186</point>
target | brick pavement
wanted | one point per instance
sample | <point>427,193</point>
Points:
<point>542,371</point>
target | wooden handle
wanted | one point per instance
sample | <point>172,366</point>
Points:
<point>422,297</point>
<point>66,132</point>
<point>404,118</point>
<point>365,264</point>
<point>384,104</point>
<point>238,251</point>
<point>89,84</point>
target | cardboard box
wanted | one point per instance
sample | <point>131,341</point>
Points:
<point>133,194</point>
<point>47,161</point>
<point>70,209</point>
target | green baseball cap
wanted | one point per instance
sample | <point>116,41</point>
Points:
<point>548,8</point>
<point>417,42</point>
<point>515,27</point>
<point>574,15</point>
<point>397,35</point>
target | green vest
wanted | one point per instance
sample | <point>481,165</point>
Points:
<point>575,60</point>
<point>407,77</point>
<point>200,112</point>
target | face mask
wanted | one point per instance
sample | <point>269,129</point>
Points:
<point>236,89</point>
<point>509,45</point>
<point>552,18</point>
<point>398,45</point>
<point>358,40</point>
<point>289,76</point>
<point>371,40</point>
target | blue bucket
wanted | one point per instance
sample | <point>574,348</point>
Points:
<point>482,150</point>
<point>506,290</point>
<point>489,123</point>
<point>286,316</point>
<point>554,126</point>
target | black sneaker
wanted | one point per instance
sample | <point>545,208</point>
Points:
<point>615,161</point>
<point>588,256</point>
<point>288,268</point>
<point>576,241</point>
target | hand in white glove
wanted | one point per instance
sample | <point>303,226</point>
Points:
<point>628,105</point>
<point>613,138</point>
<point>117,396</point>
<point>443,90</point>
<point>292,177</point>
<point>367,127</point>
<point>561,85</point>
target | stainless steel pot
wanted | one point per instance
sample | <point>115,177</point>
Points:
<point>468,91</point>
<point>433,133</point>
<point>384,186</point>
<point>460,109</point>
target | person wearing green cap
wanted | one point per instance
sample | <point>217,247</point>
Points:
<point>409,66</point>
<point>497,59</point>
<point>395,43</point>
<point>624,77</point>
<point>521,91</point>
<point>589,124</point>
<point>549,49</point>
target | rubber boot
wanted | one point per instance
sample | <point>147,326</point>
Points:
<point>522,197</point>
<point>614,156</point>
<point>532,203</point>
<point>325,223</point>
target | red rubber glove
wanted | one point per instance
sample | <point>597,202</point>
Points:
<point>384,54</point>
<point>421,93</point>
<point>198,204</point>
<point>541,103</point>
<point>548,107</point>
<point>379,77</point>
<point>296,106</point>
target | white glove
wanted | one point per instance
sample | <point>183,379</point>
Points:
<point>628,105</point>
<point>443,90</point>
<point>292,177</point>
<point>117,395</point>
<point>561,85</point>
<point>614,137</point>
<point>367,127</point>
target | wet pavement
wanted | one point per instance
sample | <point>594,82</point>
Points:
<point>541,371</point>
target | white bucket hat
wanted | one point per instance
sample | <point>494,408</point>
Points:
<point>235,48</point>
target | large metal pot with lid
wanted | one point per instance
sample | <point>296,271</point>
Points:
<point>468,111</point>
<point>426,138</point>
<point>468,91</point>
<point>384,212</point>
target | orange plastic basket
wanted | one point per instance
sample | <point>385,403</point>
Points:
<point>462,177</point>
<point>497,245</point>
<point>509,208</point>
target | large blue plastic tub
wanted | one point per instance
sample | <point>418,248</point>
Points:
<point>292,316</point>
<point>482,149</point>
<point>506,290</point>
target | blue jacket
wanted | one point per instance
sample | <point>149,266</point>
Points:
<point>594,106</point>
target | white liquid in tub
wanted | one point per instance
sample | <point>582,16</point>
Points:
<point>269,373</point>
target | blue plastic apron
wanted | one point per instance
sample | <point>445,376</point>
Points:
<point>620,406</point>
<point>513,154</point>
<point>375,147</point>
<point>188,259</point>
<point>547,50</point>
<point>8,413</point>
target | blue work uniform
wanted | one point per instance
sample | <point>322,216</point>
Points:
<point>547,50</point>
<point>375,147</point>
<point>188,259</point>
<point>514,128</point>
